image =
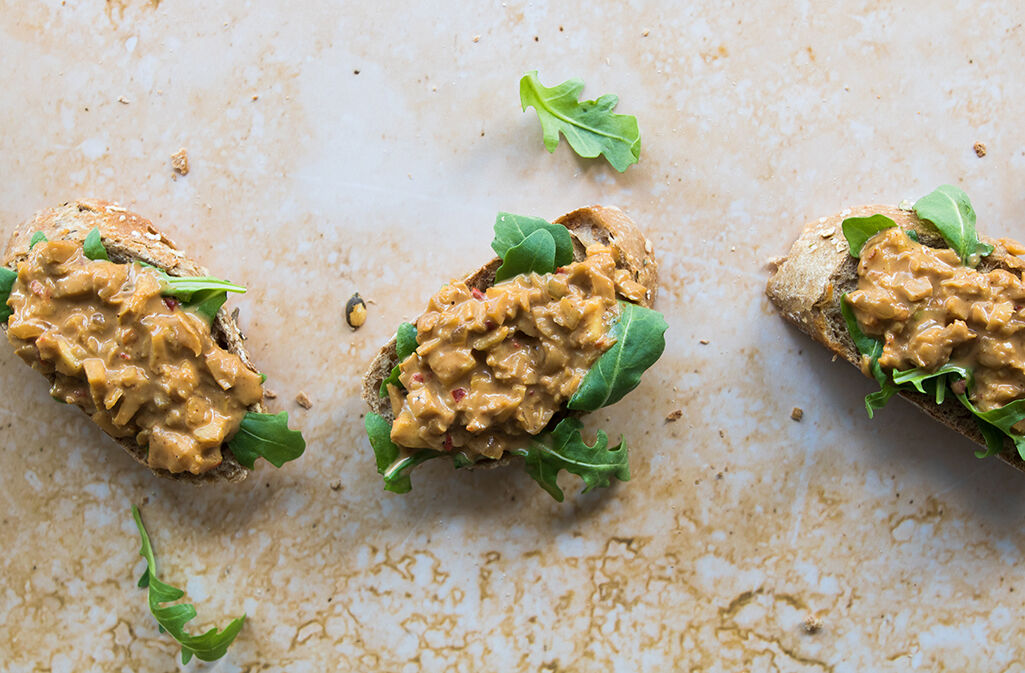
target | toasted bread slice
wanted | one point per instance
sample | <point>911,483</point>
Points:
<point>808,284</point>
<point>131,238</point>
<point>592,224</point>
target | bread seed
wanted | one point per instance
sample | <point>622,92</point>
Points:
<point>355,311</point>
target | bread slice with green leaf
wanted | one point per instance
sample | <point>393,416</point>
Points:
<point>532,253</point>
<point>809,286</point>
<point>108,232</point>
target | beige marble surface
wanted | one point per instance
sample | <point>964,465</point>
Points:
<point>367,146</point>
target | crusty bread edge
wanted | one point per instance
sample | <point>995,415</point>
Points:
<point>607,225</point>
<point>808,284</point>
<point>129,237</point>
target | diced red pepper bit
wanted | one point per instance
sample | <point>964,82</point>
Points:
<point>458,394</point>
<point>418,377</point>
<point>447,446</point>
<point>490,324</point>
<point>477,294</point>
<point>560,269</point>
<point>515,343</point>
<point>124,356</point>
<point>171,302</point>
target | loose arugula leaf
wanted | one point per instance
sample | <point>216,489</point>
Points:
<point>511,230</point>
<point>38,237</point>
<point>564,449</point>
<point>640,340</point>
<point>917,376</point>
<point>93,246</point>
<point>857,230</point>
<point>534,254</point>
<point>1001,418</point>
<point>405,344</point>
<point>871,349</point>
<point>7,278</point>
<point>266,436</point>
<point>208,646</point>
<point>950,211</point>
<point>391,465</point>
<point>590,126</point>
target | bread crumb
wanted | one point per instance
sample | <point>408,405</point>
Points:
<point>476,38</point>
<point>269,394</point>
<point>645,33</point>
<point>303,400</point>
<point>124,101</point>
<point>704,342</point>
<point>336,485</point>
<point>812,623</point>
<point>180,162</point>
<point>980,149</point>
<point>797,414</point>
<point>256,97</point>
<point>674,415</point>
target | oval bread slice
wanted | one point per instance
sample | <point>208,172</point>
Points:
<point>809,282</point>
<point>128,237</point>
<point>592,224</point>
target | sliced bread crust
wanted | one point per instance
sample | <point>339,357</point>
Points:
<point>129,237</point>
<point>808,284</point>
<point>607,225</point>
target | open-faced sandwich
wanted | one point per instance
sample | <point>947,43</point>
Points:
<point>922,304</point>
<point>127,328</point>
<point>504,361</point>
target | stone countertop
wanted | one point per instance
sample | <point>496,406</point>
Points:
<point>338,147</point>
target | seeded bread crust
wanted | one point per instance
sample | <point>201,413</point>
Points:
<point>808,284</point>
<point>607,225</point>
<point>129,237</point>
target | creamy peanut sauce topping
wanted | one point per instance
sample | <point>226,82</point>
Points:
<point>496,365</point>
<point>931,310</point>
<point>133,360</point>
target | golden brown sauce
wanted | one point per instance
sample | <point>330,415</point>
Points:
<point>931,310</point>
<point>499,364</point>
<point>140,366</point>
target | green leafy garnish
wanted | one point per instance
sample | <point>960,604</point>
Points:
<point>939,379</point>
<point>640,340</point>
<point>872,349</point>
<point>393,468</point>
<point>7,278</point>
<point>857,230</point>
<point>950,211</point>
<point>590,126</point>
<point>534,254</point>
<point>203,294</point>
<point>208,646</point>
<point>207,302</point>
<point>511,230</point>
<point>564,449</point>
<point>405,344</point>
<point>1001,419</point>
<point>38,237</point>
<point>93,246</point>
<point>266,436</point>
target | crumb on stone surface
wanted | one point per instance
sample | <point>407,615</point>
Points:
<point>269,394</point>
<point>812,623</point>
<point>180,162</point>
<point>704,342</point>
<point>674,415</point>
<point>980,149</point>
<point>336,485</point>
<point>797,414</point>
<point>303,400</point>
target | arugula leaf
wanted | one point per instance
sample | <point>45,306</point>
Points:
<point>390,463</point>
<point>203,294</point>
<point>405,344</point>
<point>207,302</point>
<point>511,230</point>
<point>1001,418</point>
<point>590,126</point>
<point>992,435</point>
<point>7,278</point>
<point>93,246</point>
<point>534,254</point>
<point>208,646</point>
<point>918,375</point>
<point>38,237</point>
<point>950,211</point>
<point>266,436</point>
<point>640,340</point>
<point>564,449</point>
<point>872,349</point>
<point>857,230</point>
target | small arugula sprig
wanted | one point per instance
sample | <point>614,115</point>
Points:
<point>405,344</point>
<point>266,436</point>
<point>950,212</point>
<point>590,126</point>
<point>208,646</point>
<point>38,237</point>
<point>7,278</point>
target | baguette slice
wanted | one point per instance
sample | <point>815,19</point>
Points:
<point>592,224</point>
<point>131,238</point>
<point>808,284</point>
